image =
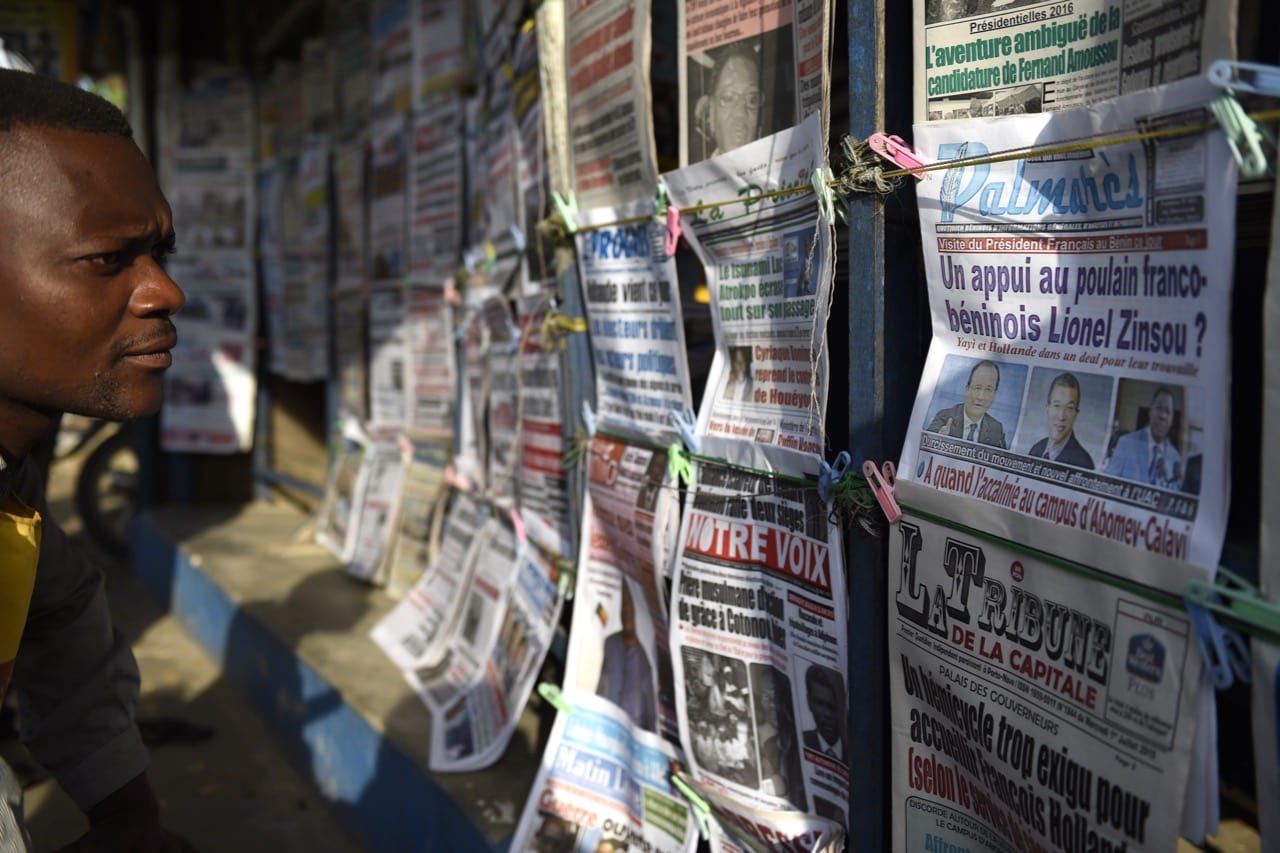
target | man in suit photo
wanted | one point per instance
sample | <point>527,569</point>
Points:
<point>1148,455</point>
<point>824,690</point>
<point>969,420</point>
<point>1060,412</point>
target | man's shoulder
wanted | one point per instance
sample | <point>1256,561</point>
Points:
<point>1037,449</point>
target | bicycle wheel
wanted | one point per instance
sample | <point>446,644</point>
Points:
<point>107,492</point>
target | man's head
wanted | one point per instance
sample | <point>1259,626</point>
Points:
<point>1062,407</point>
<point>980,390</point>
<point>823,686</point>
<point>86,325</point>
<point>735,100</point>
<point>1160,415</point>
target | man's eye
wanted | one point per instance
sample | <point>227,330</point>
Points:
<point>108,259</point>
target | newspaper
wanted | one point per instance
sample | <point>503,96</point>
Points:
<point>1034,708</point>
<point>318,84</point>
<point>416,630</point>
<point>737,830</point>
<point>747,70</point>
<point>377,510</point>
<point>637,333</point>
<point>343,492</point>
<point>392,29</point>
<point>415,539</point>
<point>388,352</point>
<point>1005,57</point>
<point>603,780</point>
<point>619,645</point>
<point>349,216</point>
<point>537,264</point>
<point>488,324</point>
<point>387,200</point>
<point>769,268</point>
<point>496,559</point>
<point>435,195</point>
<point>432,380</point>
<point>439,48</point>
<point>613,156</point>
<point>353,69</point>
<point>349,353</point>
<point>474,730</point>
<point>211,390</point>
<point>1079,365</point>
<point>758,618</point>
<point>504,432</point>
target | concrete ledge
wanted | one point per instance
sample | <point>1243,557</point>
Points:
<point>290,630</point>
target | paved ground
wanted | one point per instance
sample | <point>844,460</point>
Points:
<point>231,791</point>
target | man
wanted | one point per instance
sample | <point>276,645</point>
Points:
<point>733,109</point>
<point>1060,413</point>
<point>969,420</point>
<point>626,678</point>
<point>85,329</point>
<point>1148,455</point>
<point>825,691</point>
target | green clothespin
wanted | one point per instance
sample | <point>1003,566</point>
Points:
<point>564,586</point>
<point>1240,601</point>
<point>678,463</point>
<point>554,697</point>
<point>701,811</point>
<point>567,207</point>
<point>820,178</point>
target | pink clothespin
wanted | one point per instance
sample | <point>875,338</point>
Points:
<point>898,152</point>
<point>517,523</point>
<point>882,488</point>
<point>673,230</point>
<point>453,478</point>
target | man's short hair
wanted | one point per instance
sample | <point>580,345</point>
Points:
<point>818,675</point>
<point>1064,380</point>
<point>1166,391</point>
<point>30,100</point>
<point>983,363</point>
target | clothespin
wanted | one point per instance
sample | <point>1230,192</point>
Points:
<point>822,188</point>
<point>517,237</point>
<point>517,524</point>
<point>1244,137</point>
<point>673,230</point>
<point>452,478</point>
<point>686,424</point>
<point>898,152</point>
<point>565,573</point>
<point>1252,77</point>
<point>701,810</point>
<point>660,203</point>
<point>829,475</point>
<point>490,254</point>
<point>678,464</point>
<point>588,418</point>
<point>881,482</point>
<point>554,697</point>
<point>568,210</point>
<point>1240,601</point>
<point>1225,654</point>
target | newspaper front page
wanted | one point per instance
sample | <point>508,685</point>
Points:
<point>632,299</point>
<point>618,648</point>
<point>1079,366</point>
<point>376,512</point>
<point>769,268</point>
<point>415,632</point>
<point>603,780</point>
<point>610,105</point>
<point>439,47</point>
<point>1005,57</point>
<point>435,192</point>
<point>432,350</point>
<point>388,354</point>
<point>1033,707</point>
<point>747,70</point>
<point>474,730</point>
<point>415,539</point>
<point>343,492</point>
<point>758,636</point>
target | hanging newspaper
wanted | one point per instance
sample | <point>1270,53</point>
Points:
<point>610,109</point>
<point>435,194</point>
<point>618,647</point>
<point>504,433</point>
<point>349,353</point>
<point>210,391</point>
<point>439,48</point>
<point>758,620</point>
<point>637,333</point>
<point>416,630</point>
<point>1035,704</point>
<point>738,830</point>
<point>388,351</point>
<point>377,511</point>
<point>387,194</point>
<point>1078,371</point>
<point>537,263</point>
<point>392,28</point>
<point>474,730</point>
<point>431,353</point>
<point>344,492</point>
<point>349,216</point>
<point>318,85</point>
<point>546,506</point>
<point>488,324</point>
<point>604,785</point>
<point>1005,58</point>
<point>495,563</point>
<point>415,539</point>
<point>769,269</point>
<point>747,70</point>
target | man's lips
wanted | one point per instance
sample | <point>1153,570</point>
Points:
<point>157,353</point>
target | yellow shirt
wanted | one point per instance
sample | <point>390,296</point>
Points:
<point>19,553</point>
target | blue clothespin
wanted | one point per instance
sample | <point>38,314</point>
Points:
<point>588,419</point>
<point>686,423</point>
<point>1241,602</point>
<point>1252,77</point>
<point>821,187</point>
<point>881,481</point>
<point>517,236</point>
<point>1225,654</point>
<point>568,210</point>
<point>829,475</point>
